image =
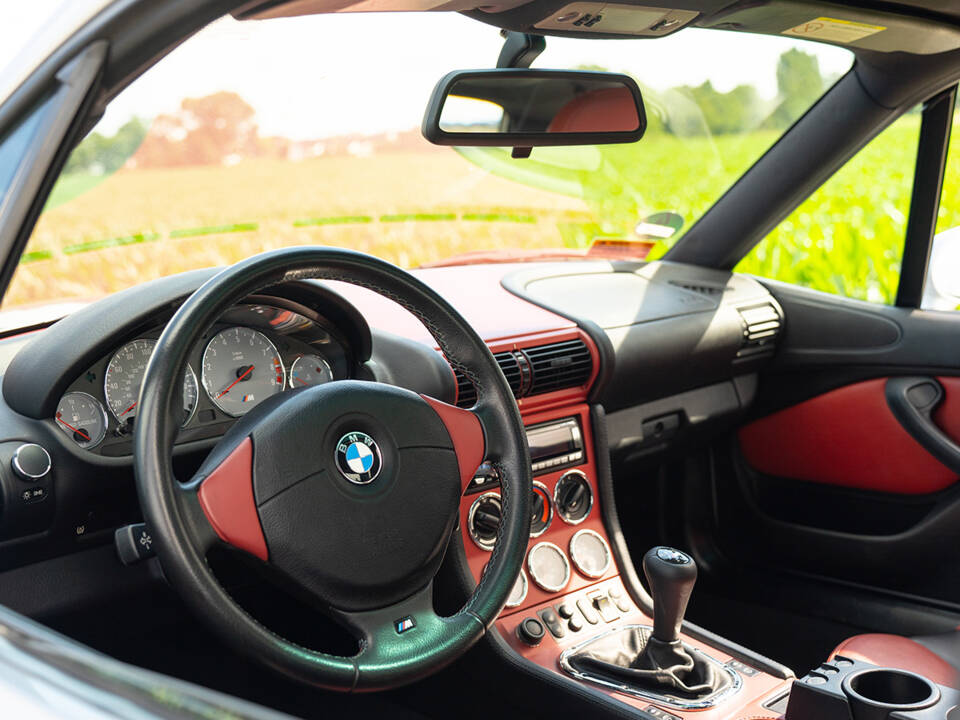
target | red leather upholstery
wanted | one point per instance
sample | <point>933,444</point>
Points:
<point>901,653</point>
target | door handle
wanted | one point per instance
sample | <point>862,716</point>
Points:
<point>912,401</point>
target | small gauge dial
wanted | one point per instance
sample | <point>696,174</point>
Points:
<point>241,369</point>
<point>541,510</point>
<point>82,418</point>
<point>124,376</point>
<point>548,566</point>
<point>309,370</point>
<point>590,553</point>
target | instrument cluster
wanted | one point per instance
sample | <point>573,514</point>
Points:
<point>254,352</point>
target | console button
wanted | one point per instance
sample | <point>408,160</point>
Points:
<point>606,609</point>
<point>565,610</point>
<point>574,624</point>
<point>552,622</point>
<point>30,462</point>
<point>530,631</point>
<point>588,612</point>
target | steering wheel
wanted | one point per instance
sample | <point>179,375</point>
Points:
<point>348,492</point>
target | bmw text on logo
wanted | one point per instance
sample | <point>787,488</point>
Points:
<point>358,458</point>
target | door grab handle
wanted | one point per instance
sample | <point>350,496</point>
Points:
<point>912,401</point>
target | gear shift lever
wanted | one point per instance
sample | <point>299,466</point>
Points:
<point>657,661</point>
<point>671,575</point>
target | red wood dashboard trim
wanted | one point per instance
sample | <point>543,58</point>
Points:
<point>746,704</point>
<point>559,532</point>
<point>849,437</point>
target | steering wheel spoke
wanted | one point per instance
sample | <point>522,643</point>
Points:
<point>466,431</point>
<point>223,504</point>
<point>396,640</point>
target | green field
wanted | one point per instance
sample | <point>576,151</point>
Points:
<point>100,234</point>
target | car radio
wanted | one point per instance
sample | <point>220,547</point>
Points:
<point>553,445</point>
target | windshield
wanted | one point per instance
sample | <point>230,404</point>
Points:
<point>257,135</point>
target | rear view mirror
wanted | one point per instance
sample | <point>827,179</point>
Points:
<point>532,108</point>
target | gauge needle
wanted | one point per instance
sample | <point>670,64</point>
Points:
<point>300,380</point>
<point>76,430</point>
<point>224,392</point>
<point>128,410</point>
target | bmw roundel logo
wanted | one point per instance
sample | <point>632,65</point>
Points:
<point>358,458</point>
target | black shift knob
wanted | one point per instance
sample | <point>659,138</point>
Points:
<point>670,575</point>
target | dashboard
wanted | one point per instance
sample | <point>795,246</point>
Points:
<point>570,337</point>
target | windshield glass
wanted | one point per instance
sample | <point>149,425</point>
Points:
<point>257,135</point>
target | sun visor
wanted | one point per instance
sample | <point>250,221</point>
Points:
<point>843,26</point>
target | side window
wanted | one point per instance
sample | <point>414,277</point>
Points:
<point>847,238</point>
<point>942,289</point>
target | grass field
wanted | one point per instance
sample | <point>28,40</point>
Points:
<point>102,234</point>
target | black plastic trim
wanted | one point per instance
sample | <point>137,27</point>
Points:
<point>628,571</point>
<point>932,149</point>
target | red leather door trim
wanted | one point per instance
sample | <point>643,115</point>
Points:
<point>849,437</point>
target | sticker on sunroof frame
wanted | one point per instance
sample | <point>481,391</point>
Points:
<point>834,30</point>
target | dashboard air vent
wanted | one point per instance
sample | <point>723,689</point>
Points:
<point>467,393</point>
<point>558,366</point>
<point>761,326</point>
<point>536,370</point>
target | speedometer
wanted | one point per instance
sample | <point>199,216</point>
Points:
<point>124,376</point>
<point>241,369</point>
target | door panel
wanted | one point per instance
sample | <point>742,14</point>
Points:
<point>850,437</point>
<point>825,478</point>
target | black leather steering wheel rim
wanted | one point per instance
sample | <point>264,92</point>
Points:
<point>182,532</point>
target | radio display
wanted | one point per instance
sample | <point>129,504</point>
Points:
<point>555,443</point>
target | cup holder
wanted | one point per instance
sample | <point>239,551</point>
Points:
<point>875,693</point>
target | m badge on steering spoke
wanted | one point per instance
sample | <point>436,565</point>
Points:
<point>358,458</point>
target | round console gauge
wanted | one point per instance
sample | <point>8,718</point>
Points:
<point>483,520</point>
<point>573,497</point>
<point>241,369</point>
<point>541,510</point>
<point>124,376</point>
<point>309,370</point>
<point>590,553</point>
<point>548,567</point>
<point>83,418</point>
<point>519,592</point>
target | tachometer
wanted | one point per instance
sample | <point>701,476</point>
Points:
<point>309,370</point>
<point>82,418</point>
<point>241,368</point>
<point>124,376</point>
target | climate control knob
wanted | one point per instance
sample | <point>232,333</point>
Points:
<point>573,497</point>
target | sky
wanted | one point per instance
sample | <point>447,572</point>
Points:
<point>320,76</point>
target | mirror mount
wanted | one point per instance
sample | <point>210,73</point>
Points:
<point>520,49</point>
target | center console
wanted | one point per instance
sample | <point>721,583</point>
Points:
<point>573,611</point>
